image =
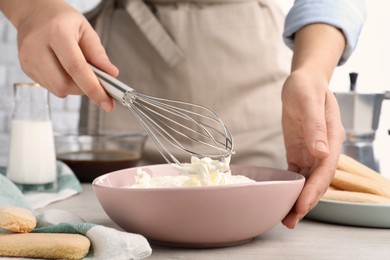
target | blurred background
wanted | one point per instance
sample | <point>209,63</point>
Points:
<point>371,61</point>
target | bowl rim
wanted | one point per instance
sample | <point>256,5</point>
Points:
<point>299,178</point>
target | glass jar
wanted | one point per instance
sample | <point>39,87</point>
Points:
<point>5,111</point>
<point>32,159</point>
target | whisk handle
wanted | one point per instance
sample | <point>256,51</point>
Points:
<point>114,87</point>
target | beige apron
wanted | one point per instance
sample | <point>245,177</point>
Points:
<point>226,55</point>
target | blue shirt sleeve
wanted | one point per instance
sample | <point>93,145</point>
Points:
<point>346,15</point>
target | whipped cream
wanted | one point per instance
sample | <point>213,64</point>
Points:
<point>200,172</point>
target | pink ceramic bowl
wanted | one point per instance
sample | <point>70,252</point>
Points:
<point>199,216</point>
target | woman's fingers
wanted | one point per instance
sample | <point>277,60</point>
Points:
<point>315,129</point>
<point>94,51</point>
<point>71,58</point>
<point>59,83</point>
<point>323,170</point>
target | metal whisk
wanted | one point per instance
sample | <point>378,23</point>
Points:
<point>173,125</point>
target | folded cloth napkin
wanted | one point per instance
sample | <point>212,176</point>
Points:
<point>67,186</point>
<point>107,243</point>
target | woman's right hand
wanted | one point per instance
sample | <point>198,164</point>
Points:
<point>55,44</point>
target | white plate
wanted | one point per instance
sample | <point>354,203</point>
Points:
<point>351,213</point>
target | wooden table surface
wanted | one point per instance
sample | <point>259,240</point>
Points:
<point>309,240</point>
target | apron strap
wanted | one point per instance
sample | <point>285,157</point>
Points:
<point>101,25</point>
<point>153,31</point>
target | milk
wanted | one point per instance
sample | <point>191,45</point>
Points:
<point>32,158</point>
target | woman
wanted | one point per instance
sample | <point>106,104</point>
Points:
<point>227,55</point>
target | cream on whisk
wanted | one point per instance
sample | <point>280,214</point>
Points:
<point>200,172</point>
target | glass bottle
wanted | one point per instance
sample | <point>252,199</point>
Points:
<point>32,159</point>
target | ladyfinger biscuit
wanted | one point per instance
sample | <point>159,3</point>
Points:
<point>352,196</point>
<point>350,182</point>
<point>16,219</point>
<point>44,245</point>
<point>348,164</point>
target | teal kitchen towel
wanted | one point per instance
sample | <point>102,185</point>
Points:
<point>107,243</point>
<point>67,185</point>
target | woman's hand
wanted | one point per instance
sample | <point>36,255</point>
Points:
<point>312,128</point>
<point>313,135</point>
<point>55,44</point>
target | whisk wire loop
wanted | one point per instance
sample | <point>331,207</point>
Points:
<point>182,113</point>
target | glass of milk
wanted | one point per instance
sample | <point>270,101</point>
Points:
<point>32,159</point>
